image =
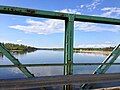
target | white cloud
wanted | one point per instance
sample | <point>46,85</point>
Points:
<point>49,26</point>
<point>57,26</point>
<point>73,11</point>
<point>111,12</point>
<point>87,27</point>
<point>41,27</point>
<point>6,41</point>
<point>18,41</point>
<point>81,6</point>
<point>92,5</point>
<point>44,27</point>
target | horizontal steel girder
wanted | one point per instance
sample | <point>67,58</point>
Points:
<point>56,15</point>
<point>58,64</point>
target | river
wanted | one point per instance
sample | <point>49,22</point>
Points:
<point>49,56</point>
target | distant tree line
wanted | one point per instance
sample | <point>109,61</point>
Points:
<point>78,49</point>
<point>21,47</point>
<point>51,49</point>
<point>96,49</point>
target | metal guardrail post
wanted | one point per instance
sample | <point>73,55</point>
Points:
<point>68,51</point>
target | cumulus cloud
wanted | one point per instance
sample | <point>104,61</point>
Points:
<point>41,27</point>
<point>57,26</point>
<point>111,11</point>
<point>73,11</point>
<point>49,26</point>
<point>87,27</point>
<point>92,5</point>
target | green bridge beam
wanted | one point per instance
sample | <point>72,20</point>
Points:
<point>69,28</point>
<point>15,61</point>
<point>68,51</point>
<point>95,19</point>
<point>32,12</point>
<point>69,32</point>
<point>56,15</point>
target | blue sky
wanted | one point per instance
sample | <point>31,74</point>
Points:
<point>40,32</point>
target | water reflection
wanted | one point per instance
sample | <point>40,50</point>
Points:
<point>46,70</point>
<point>104,53</point>
<point>91,54</point>
<point>21,52</point>
<point>17,52</point>
<point>7,73</point>
<point>47,56</point>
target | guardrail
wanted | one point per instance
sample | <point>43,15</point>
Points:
<point>69,30</point>
<point>47,81</point>
<point>56,64</point>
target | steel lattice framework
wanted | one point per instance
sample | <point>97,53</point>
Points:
<point>69,28</point>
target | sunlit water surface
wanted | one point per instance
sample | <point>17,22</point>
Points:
<point>48,56</point>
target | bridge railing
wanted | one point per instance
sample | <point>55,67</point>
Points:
<point>69,30</point>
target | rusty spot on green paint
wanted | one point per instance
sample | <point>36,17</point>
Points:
<point>30,11</point>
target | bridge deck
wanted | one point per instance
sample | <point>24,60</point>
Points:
<point>46,81</point>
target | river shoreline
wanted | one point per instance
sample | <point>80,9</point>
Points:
<point>83,51</point>
<point>75,51</point>
<point>94,52</point>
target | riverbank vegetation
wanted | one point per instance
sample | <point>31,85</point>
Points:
<point>24,48</point>
<point>95,49</point>
<point>17,47</point>
<point>82,49</point>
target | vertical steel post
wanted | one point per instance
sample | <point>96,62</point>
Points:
<point>68,47</point>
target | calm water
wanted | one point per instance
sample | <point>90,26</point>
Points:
<point>46,56</point>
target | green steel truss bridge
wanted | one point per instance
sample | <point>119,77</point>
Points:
<point>68,48</point>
